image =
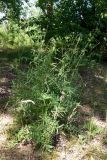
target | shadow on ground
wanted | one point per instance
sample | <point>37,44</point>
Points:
<point>95,90</point>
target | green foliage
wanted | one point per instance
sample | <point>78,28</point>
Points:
<point>76,17</point>
<point>12,36</point>
<point>92,129</point>
<point>43,131</point>
<point>47,95</point>
<point>11,8</point>
<point>80,13</point>
<point>18,43</point>
<point>23,134</point>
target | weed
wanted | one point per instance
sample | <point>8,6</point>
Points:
<point>52,84</point>
<point>91,129</point>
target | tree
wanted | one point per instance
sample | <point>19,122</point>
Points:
<point>62,17</point>
<point>47,19</point>
<point>11,8</point>
<point>84,13</point>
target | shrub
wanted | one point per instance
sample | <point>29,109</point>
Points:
<point>47,94</point>
<point>12,36</point>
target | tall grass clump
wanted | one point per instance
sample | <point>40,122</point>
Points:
<point>48,93</point>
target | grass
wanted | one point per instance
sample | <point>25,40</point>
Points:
<point>49,92</point>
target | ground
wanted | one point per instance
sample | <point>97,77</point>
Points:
<point>93,107</point>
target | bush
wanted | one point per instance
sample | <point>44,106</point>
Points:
<point>47,95</point>
<point>12,36</point>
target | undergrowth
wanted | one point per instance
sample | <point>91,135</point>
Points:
<point>47,94</point>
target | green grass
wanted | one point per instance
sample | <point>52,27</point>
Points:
<point>47,94</point>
